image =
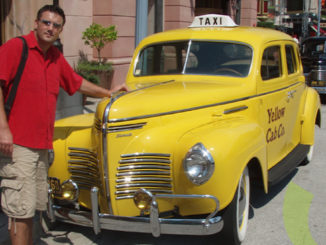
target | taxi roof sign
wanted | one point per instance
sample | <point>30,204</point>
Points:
<point>213,20</point>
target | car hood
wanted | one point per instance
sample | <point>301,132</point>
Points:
<point>178,96</point>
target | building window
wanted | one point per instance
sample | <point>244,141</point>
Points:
<point>294,5</point>
<point>210,7</point>
<point>155,16</point>
<point>262,7</point>
<point>208,4</point>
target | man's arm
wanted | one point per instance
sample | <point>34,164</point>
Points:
<point>6,142</point>
<point>91,89</point>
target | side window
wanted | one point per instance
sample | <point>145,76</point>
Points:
<point>290,59</point>
<point>271,66</point>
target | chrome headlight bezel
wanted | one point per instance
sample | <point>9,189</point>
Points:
<point>198,164</point>
<point>69,191</point>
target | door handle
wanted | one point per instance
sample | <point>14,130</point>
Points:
<point>291,95</point>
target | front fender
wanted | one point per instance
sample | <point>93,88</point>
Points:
<point>69,133</point>
<point>232,143</point>
<point>310,117</point>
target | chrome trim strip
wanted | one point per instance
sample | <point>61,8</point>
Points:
<point>143,185</point>
<point>154,218</point>
<point>104,129</point>
<point>78,171</point>
<point>198,107</point>
<point>144,167</point>
<point>83,155</point>
<point>81,149</point>
<point>83,162</point>
<point>50,212</point>
<point>143,179</point>
<point>236,109</point>
<point>83,167</point>
<point>124,197</point>
<point>120,128</point>
<point>95,217</point>
<point>187,57</point>
<point>125,161</point>
<point>145,155</point>
<point>86,181</point>
<point>152,190</point>
<point>86,178</point>
<point>143,173</point>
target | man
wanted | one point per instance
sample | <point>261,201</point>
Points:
<point>26,135</point>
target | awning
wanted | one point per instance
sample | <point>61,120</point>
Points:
<point>315,28</point>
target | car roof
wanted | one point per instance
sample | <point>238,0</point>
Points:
<point>251,35</point>
<point>314,39</point>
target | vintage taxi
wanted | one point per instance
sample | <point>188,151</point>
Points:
<point>212,109</point>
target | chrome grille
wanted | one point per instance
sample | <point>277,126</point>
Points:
<point>83,166</point>
<point>97,123</point>
<point>119,128</point>
<point>151,171</point>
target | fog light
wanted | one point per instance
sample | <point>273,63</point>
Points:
<point>143,199</point>
<point>70,191</point>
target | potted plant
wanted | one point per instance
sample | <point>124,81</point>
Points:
<point>97,71</point>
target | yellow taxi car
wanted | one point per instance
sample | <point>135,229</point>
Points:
<point>212,108</point>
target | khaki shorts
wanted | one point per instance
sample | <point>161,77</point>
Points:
<point>24,182</point>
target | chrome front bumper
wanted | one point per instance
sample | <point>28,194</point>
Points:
<point>152,224</point>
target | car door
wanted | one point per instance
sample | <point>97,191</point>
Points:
<point>294,102</point>
<point>272,89</point>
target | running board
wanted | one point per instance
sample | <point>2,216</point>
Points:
<point>287,164</point>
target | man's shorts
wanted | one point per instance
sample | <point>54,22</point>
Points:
<point>24,182</point>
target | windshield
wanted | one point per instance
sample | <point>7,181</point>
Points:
<point>195,57</point>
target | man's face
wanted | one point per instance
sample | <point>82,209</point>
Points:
<point>48,27</point>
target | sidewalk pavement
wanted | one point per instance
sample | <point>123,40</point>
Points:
<point>4,232</point>
<point>91,104</point>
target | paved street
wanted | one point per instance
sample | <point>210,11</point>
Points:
<point>292,213</point>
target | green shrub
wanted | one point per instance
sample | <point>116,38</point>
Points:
<point>90,69</point>
<point>266,24</point>
<point>97,36</point>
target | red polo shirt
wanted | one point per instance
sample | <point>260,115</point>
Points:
<point>32,117</point>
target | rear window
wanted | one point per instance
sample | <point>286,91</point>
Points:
<point>271,66</point>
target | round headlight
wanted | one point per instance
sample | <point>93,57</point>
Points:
<point>70,191</point>
<point>198,164</point>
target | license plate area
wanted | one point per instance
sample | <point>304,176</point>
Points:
<point>55,186</point>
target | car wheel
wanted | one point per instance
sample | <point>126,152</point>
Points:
<point>236,214</point>
<point>309,156</point>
